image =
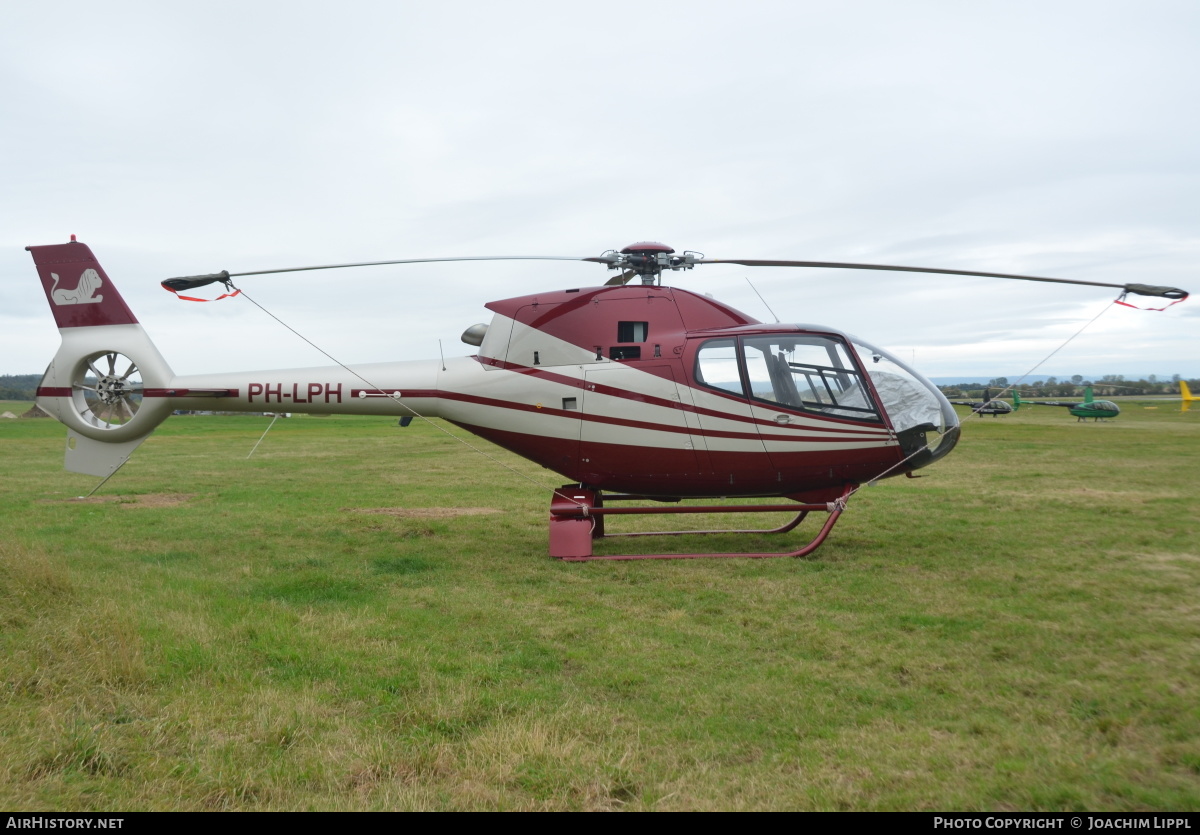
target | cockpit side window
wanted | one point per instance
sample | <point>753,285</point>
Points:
<point>717,366</point>
<point>807,373</point>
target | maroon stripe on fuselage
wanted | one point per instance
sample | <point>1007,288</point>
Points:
<point>574,414</point>
<point>557,309</point>
<point>839,426</point>
<point>63,391</point>
<point>190,393</point>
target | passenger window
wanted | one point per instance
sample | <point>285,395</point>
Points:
<point>717,366</point>
<point>807,373</point>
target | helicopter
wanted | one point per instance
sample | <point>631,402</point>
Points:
<point>1089,407</point>
<point>988,406</point>
<point>636,393</point>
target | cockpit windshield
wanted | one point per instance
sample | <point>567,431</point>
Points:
<point>909,398</point>
<point>913,404</point>
<point>819,373</point>
<point>808,372</point>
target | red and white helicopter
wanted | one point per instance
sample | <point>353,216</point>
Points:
<point>634,392</point>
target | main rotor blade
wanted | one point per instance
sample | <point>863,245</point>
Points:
<point>1140,289</point>
<point>424,261</point>
<point>189,282</point>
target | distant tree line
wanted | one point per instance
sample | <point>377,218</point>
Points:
<point>19,386</point>
<point>1110,385</point>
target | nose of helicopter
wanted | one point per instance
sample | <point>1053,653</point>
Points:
<point>924,421</point>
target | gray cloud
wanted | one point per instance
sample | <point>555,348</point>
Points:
<point>1019,137</point>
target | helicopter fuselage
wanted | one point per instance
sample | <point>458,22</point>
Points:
<point>651,390</point>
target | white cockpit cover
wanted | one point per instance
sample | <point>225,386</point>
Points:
<point>908,403</point>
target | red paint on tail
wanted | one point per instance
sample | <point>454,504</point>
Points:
<point>78,290</point>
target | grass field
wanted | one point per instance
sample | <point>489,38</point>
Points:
<point>364,617</point>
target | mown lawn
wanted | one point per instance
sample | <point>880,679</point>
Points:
<point>362,616</point>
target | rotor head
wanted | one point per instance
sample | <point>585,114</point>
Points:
<point>647,259</point>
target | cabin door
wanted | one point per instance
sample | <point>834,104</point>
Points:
<point>635,432</point>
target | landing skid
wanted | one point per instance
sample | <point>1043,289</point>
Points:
<point>577,519</point>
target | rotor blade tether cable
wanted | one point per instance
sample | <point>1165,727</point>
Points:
<point>264,434</point>
<point>415,413</point>
<point>871,482</point>
<point>103,481</point>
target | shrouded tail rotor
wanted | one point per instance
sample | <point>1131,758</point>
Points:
<point>108,390</point>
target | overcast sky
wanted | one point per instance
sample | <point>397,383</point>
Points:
<point>1046,138</point>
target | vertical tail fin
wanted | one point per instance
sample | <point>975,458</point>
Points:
<point>78,290</point>
<point>1186,395</point>
<point>102,383</point>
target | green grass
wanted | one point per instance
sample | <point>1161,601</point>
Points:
<point>1017,630</point>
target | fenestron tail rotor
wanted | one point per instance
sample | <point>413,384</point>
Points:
<point>107,390</point>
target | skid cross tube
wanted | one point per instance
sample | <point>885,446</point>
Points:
<point>577,518</point>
